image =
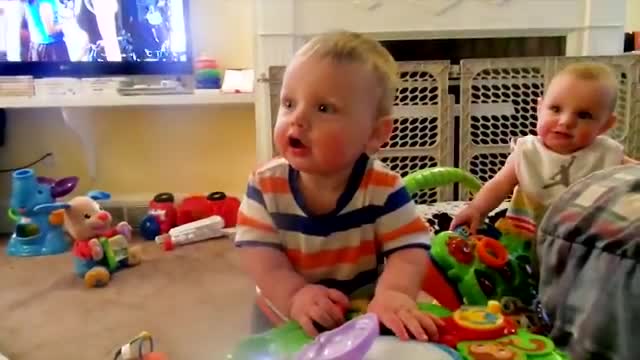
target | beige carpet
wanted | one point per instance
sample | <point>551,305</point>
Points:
<point>193,300</point>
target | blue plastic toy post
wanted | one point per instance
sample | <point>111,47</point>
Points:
<point>32,204</point>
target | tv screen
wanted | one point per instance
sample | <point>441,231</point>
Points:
<point>94,37</point>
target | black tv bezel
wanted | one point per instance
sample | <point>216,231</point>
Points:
<point>39,69</point>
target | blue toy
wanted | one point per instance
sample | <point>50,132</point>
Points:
<point>38,220</point>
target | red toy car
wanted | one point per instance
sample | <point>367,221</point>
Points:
<point>164,214</point>
<point>163,208</point>
<point>199,207</point>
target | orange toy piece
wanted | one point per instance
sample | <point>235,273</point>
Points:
<point>491,252</point>
<point>155,356</point>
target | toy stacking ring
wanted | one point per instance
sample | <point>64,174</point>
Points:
<point>13,215</point>
<point>491,252</point>
<point>127,350</point>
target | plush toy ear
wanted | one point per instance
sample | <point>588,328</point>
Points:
<point>63,186</point>
<point>98,195</point>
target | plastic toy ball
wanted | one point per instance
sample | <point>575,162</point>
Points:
<point>149,227</point>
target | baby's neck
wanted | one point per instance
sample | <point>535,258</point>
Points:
<point>321,192</point>
<point>330,183</point>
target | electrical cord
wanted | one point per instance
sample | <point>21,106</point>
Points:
<point>28,165</point>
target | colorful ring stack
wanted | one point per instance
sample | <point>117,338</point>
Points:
<point>207,73</point>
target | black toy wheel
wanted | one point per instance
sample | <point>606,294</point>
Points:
<point>216,196</point>
<point>164,197</point>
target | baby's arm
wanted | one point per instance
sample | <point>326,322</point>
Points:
<point>404,239</point>
<point>404,272</point>
<point>262,254</point>
<point>627,160</point>
<point>273,274</point>
<point>490,196</point>
<point>494,192</point>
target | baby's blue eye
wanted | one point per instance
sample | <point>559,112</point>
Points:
<point>585,115</point>
<point>324,108</point>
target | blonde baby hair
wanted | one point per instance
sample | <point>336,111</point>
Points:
<point>593,71</point>
<point>351,47</point>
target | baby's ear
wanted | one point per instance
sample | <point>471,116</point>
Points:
<point>380,135</point>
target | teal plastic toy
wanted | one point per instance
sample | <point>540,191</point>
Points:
<point>37,214</point>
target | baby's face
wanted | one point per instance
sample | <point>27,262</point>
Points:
<point>573,113</point>
<point>327,114</point>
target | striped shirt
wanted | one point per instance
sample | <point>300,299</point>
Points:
<point>345,248</point>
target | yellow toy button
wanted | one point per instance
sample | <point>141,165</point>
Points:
<point>478,318</point>
<point>494,307</point>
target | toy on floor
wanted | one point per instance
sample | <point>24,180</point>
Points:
<point>99,249</point>
<point>200,230</point>
<point>470,333</point>
<point>165,215</point>
<point>134,349</point>
<point>37,215</point>
<point>161,217</point>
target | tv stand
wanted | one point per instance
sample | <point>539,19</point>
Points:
<point>198,97</point>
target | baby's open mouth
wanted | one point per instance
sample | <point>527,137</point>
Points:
<point>563,134</point>
<point>296,143</point>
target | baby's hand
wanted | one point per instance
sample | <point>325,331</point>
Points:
<point>96,249</point>
<point>400,313</point>
<point>468,216</point>
<point>318,304</point>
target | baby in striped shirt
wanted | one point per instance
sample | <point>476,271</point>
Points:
<point>326,220</point>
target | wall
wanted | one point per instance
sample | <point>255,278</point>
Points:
<point>145,149</point>
<point>592,27</point>
<point>633,15</point>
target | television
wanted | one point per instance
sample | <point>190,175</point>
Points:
<point>94,38</point>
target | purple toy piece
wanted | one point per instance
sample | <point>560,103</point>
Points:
<point>63,186</point>
<point>350,341</point>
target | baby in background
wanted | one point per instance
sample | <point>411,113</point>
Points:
<point>326,220</point>
<point>573,116</point>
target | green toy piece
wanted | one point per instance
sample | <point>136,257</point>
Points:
<point>440,176</point>
<point>287,340</point>
<point>476,275</point>
<point>521,346</point>
<point>116,252</point>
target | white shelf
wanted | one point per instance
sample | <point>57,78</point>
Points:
<point>200,97</point>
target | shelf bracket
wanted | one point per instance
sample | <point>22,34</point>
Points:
<point>79,120</point>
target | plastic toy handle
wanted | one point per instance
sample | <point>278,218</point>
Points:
<point>440,176</point>
<point>13,215</point>
<point>56,218</point>
<point>491,252</point>
<point>350,341</point>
